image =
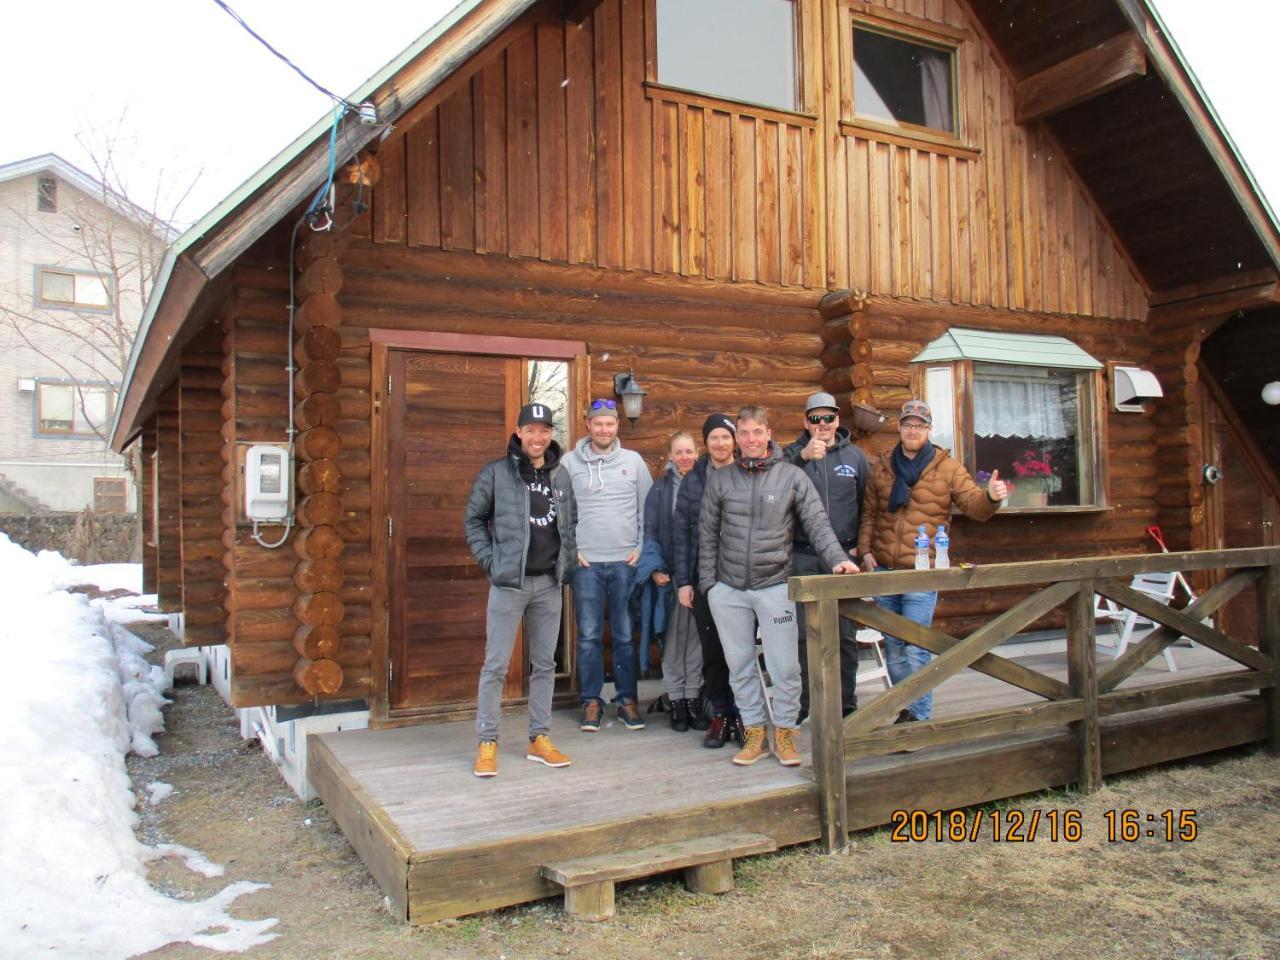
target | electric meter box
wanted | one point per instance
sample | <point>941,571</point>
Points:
<point>266,482</point>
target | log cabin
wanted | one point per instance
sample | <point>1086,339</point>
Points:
<point>1026,213</point>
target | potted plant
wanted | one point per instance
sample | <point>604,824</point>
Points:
<point>1035,479</point>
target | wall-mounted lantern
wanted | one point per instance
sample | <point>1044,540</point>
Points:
<point>630,393</point>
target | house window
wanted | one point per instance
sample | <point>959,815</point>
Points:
<point>903,82</point>
<point>69,409</point>
<point>1027,406</point>
<point>741,50</point>
<point>47,194</point>
<point>109,495</point>
<point>72,288</point>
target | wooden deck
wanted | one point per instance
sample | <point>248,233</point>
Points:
<point>444,844</point>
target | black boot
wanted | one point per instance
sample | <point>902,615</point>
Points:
<point>679,716</point>
<point>737,729</point>
<point>717,732</point>
<point>697,716</point>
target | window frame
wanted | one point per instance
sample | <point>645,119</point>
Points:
<point>76,409</point>
<point>805,108</point>
<point>37,292</point>
<point>122,494</point>
<point>927,33</point>
<point>1093,426</point>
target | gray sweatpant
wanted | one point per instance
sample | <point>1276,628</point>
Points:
<point>538,602</point>
<point>681,656</point>
<point>736,613</point>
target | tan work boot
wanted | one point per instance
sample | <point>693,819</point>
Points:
<point>754,747</point>
<point>784,745</point>
<point>487,759</point>
<point>542,750</point>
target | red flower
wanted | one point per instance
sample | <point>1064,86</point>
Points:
<point>1031,465</point>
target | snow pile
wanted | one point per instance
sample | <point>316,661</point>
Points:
<point>75,696</point>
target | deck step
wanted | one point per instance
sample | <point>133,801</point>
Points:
<point>707,863</point>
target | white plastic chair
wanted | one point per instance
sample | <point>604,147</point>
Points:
<point>1158,586</point>
<point>874,639</point>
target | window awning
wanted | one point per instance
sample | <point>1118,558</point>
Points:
<point>1020,349</point>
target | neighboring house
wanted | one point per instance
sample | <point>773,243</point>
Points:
<point>75,263</point>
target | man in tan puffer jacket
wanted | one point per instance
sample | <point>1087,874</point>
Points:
<point>913,484</point>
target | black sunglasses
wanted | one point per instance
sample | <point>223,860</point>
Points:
<point>816,418</point>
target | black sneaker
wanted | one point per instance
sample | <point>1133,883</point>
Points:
<point>629,714</point>
<point>679,716</point>
<point>590,721</point>
<point>905,716</point>
<point>717,732</point>
<point>697,716</point>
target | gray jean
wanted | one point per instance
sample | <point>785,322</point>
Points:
<point>538,602</point>
<point>736,613</point>
<point>681,656</point>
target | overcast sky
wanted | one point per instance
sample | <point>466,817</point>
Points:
<point>193,94</point>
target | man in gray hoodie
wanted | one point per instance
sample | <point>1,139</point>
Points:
<point>609,485</point>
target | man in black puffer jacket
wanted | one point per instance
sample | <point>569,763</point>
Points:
<point>749,514</point>
<point>839,471</point>
<point>520,526</point>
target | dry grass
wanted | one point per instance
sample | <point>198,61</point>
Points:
<point>1215,897</point>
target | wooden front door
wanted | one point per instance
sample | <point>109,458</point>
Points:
<point>448,416</point>
<point>445,415</point>
<point>1238,512</point>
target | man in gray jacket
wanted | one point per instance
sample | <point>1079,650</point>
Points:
<point>520,527</point>
<point>609,486</point>
<point>749,513</point>
<point>839,470</point>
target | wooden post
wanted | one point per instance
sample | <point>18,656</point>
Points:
<point>1268,594</point>
<point>1082,673</point>
<point>822,634</point>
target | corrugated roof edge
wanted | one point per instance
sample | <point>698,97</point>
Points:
<point>1021,349</point>
<point>243,193</point>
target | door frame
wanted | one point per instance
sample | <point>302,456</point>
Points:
<point>382,342</point>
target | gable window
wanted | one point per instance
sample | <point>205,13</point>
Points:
<point>902,81</point>
<point>47,194</point>
<point>109,495</point>
<point>1027,406</point>
<point>73,409</point>
<point>742,50</point>
<point>57,287</point>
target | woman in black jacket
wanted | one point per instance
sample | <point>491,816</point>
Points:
<point>718,433</point>
<point>681,648</point>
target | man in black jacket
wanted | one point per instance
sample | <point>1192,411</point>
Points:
<point>749,513</point>
<point>520,526</point>
<point>839,472</point>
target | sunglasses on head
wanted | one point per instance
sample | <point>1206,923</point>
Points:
<point>822,417</point>
<point>604,404</point>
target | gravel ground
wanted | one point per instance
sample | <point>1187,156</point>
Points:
<point>1211,898</point>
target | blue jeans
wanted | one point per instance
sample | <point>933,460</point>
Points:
<point>902,658</point>
<point>595,588</point>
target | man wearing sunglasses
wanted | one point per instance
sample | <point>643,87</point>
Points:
<point>609,486</point>
<point>838,469</point>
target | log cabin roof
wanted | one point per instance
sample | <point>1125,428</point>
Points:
<point>1149,148</point>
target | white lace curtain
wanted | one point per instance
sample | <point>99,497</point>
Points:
<point>1019,408</point>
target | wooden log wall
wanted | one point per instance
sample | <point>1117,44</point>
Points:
<point>551,145</point>
<point>199,486</point>
<point>696,347</point>
<point>168,534</point>
<point>872,340</point>
<point>147,504</point>
<point>267,638</point>
<point>1180,441</point>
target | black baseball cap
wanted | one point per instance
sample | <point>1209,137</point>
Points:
<point>536,413</point>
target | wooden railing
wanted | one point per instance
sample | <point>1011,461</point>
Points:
<point>1089,693</point>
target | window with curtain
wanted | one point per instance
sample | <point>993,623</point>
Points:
<point>1036,425</point>
<point>741,50</point>
<point>903,82</point>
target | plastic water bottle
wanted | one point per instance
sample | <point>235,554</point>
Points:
<point>922,549</point>
<point>941,546</point>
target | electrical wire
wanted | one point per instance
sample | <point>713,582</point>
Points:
<point>297,69</point>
